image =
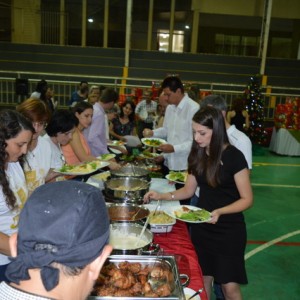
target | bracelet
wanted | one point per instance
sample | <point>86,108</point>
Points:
<point>172,196</point>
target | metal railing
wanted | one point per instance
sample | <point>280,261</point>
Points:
<point>63,87</point>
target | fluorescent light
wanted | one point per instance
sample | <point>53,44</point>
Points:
<point>187,27</point>
<point>90,20</point>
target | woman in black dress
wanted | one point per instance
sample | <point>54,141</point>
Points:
<point>123,124</point>
<point>221,172</point>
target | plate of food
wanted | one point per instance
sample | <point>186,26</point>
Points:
<point>160,222</point>
<point>115,143</point>
<point>82,169</point>
<point>178,177</point>
<point>188,292</point>
<point>106,156</point>
<point>149,155</point>
<point>189,213</point>
<point>153,142</point>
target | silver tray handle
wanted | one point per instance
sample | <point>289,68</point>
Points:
<point>186,278</point>
<point>153,249</point>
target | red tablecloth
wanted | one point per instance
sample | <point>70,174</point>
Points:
<point>178,243</point>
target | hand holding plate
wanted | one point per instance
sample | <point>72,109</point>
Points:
<point>166,148</point>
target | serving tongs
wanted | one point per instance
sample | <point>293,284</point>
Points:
<point>197,293</point>
<point>161,273</point>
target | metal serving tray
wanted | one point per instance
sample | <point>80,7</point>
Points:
<point>177,293</point>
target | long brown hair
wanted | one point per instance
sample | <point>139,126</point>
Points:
<point>11,124</point>
<point>199,162</point>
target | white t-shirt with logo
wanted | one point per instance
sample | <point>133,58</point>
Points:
<point>37,164</point>
<point>9,218</point>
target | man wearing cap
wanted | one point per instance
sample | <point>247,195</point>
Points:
<point>61,245</point>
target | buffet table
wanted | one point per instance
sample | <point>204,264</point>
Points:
<point>285,141</point>
<point>178,242</point>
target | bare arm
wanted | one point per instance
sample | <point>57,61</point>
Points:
<point>4,244</point>
<point>51,175</point>
<point>247,121</point>
<point>185,192</point>
<point>229,116</point>
<point>243,184</point>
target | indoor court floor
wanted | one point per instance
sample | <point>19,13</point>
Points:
<point>273,223</point>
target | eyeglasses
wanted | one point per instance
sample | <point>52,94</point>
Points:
<point>39,124</point>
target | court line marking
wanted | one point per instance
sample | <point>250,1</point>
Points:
<point>270,243</point>
<point>276,185</point>
<point>273,164</point>
<point>277,244</point>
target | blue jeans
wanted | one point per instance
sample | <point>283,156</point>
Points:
<point>218,291</point>
<point>2,273</point>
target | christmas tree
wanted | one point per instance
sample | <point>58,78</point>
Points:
<point>255,108</point>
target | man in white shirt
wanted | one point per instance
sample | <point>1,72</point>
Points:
<point>145,113</point>
<point>177,126</point>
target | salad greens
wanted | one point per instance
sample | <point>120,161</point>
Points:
<point>85,167</point>
<point>107,156</point>
<point>152,142</point>
<point>177,176</point>
<point>193,215</point>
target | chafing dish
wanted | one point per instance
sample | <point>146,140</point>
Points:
<point>177,287</point>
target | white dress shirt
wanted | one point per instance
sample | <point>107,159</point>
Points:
<point>177,130</point>
<point>241,141</point>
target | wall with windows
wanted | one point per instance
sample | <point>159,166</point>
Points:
<point>230,27</point>
<point>26,22</point>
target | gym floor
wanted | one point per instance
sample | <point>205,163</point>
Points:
<point>273,223</point>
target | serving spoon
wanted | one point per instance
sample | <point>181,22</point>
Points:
<point>197,293</point>
<point>145,225</point>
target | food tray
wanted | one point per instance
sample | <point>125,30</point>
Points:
<point>161,228</point>
<point>177,293</point>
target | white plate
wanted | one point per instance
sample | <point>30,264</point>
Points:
<point>153,155</point>
<point>101,164</point>
<point>106,156</point>
<point>177,181</point>
<point>115,143</point>
<point>144,141</point>
<point>190,292</point>
<point>116,151</point>
<point>132,141</point>
<point>171,212</point>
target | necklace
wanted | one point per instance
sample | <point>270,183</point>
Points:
<point>61,154</point>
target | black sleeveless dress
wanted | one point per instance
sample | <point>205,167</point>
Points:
<point>221,246</point>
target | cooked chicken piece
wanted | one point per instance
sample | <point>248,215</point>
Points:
<point>157,272</point>
<point>145,271</point>
<point>151,294</point>
<point>137,289</point>
<point>146,288</point>
<point>105,291</point>
<point>123,279</point>
<point>123,293</point>
<point>142,278</point>
<point>163,290</point>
